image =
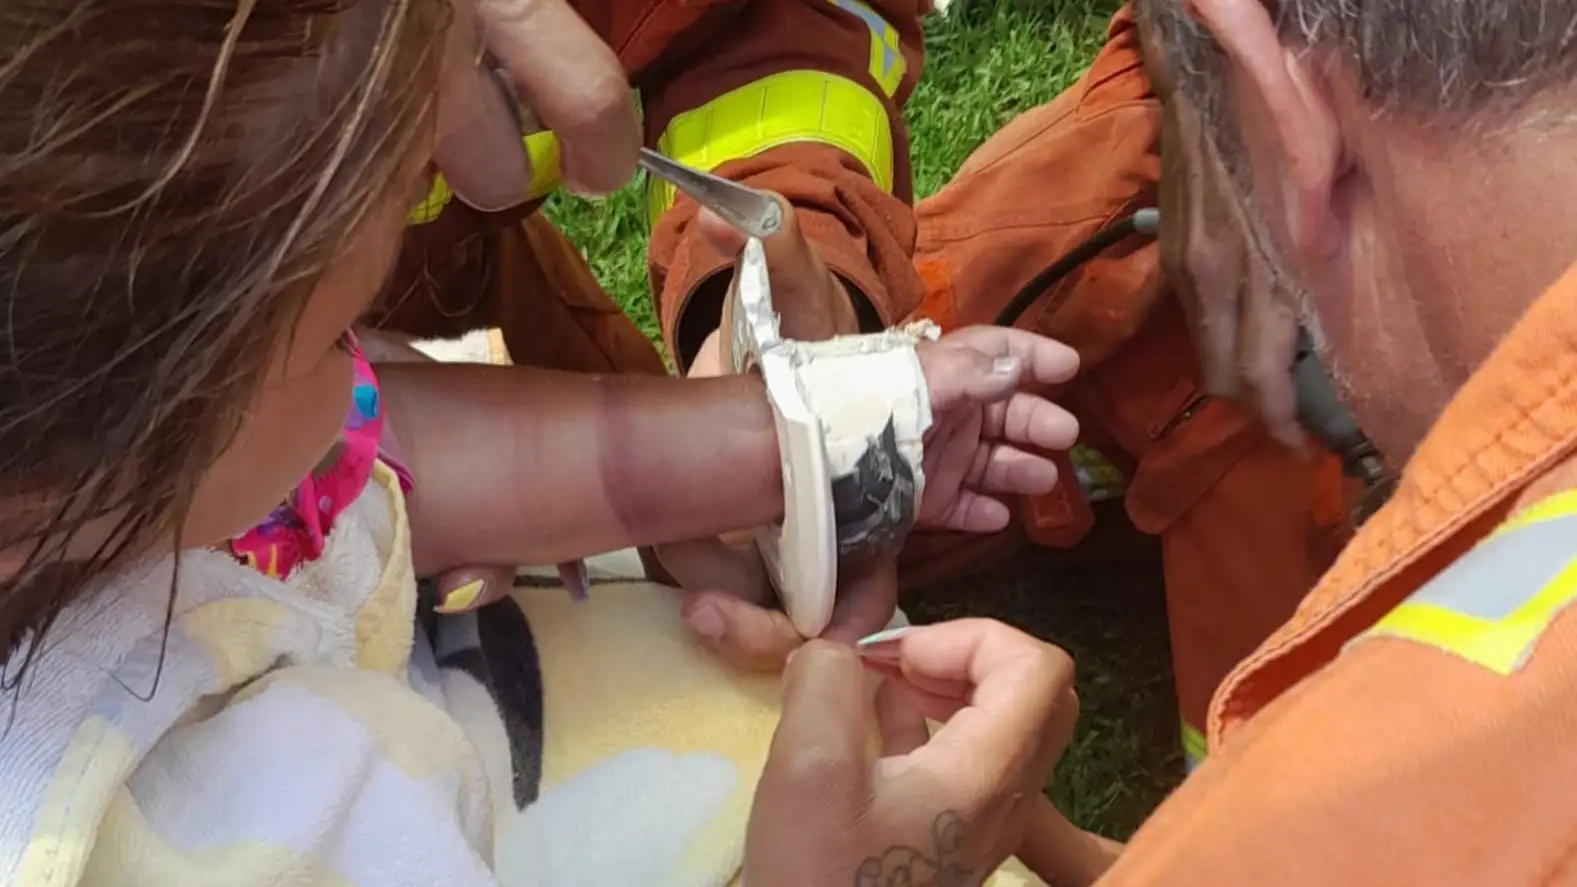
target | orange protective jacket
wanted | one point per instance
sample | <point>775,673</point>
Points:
<point>802,97</point>
<point>1246,527</point>
<point>1413,722</point>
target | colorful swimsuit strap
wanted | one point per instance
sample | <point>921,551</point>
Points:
<point>293,534</point>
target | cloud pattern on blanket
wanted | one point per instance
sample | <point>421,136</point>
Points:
<point>608,732</point>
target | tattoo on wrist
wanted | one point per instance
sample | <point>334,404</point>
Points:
<point>903,866</point>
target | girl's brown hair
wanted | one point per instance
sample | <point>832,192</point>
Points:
<point>174,174</point>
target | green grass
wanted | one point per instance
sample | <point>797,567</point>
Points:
<point>987,60</point>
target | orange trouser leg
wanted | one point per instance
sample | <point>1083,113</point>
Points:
<point>467,271</point>
<point>554,313</point>
<point>1237,564</point>
<point>1045,182</point>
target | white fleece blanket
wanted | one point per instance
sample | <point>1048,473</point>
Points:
<point>303,732</point>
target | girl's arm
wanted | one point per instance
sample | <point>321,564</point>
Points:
<point>517,465</point>
<point>1061,853</point>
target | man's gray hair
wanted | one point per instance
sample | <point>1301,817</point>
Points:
<point>1432,60</point>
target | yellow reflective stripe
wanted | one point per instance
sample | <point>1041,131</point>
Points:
<point>542,149</point>
<point>1493,604</point>
<point>1195,747</point>
<point>784,108</point>
<point>1558,505</point>
<point>437,198</point>
<point>887,61</point>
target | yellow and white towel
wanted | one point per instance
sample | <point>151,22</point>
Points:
<point>638,754</point>
<point>273,736</point>
<point>304,732</point>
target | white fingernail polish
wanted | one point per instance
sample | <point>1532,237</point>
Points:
<point>1005,366</point>
<point>891,634</point>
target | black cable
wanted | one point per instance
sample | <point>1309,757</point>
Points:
<point>1145,221</point>
<point>1319,408</point>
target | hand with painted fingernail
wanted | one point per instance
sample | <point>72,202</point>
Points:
<point>465,589</point>
<point>856,794</point>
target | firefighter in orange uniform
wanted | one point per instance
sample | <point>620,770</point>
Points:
<point>1410,723</point>
<point>819,125</point>
<point>1246,524</point>
<point>801,97</point>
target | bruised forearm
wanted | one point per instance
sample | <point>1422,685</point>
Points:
<point>516,465</point>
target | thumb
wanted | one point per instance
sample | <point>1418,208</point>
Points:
<point>787,248</point>
<point>720,235</point>
<point>750,637</point>
<point>957,375</point>
<point>816,787</point>
<point>811,300</point>
<point>826,739</point>
<point>866,600</point>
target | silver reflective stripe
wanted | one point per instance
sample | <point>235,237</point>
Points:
<point>878,27</point>
<point>1493,604</point>
<point>1501,573</point>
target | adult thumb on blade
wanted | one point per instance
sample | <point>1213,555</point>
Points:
<point>826,736</point>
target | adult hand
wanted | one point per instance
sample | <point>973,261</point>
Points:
<point>563,75</point>
<point>943,809</point>
<point>1243,317</point>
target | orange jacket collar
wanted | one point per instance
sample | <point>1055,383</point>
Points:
<point>1515,419</point>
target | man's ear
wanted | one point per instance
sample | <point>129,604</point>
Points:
<point>1292,91</point>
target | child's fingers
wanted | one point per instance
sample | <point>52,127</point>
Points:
<point>752,638</point>
<point>1004,470</point>
<point>867,598</point>
<point>967,375</point>
<point>709,563</point>
<point>976,513</point>
<point>1028,420</point>
<point>465,588</point>
<point>1045,361</point>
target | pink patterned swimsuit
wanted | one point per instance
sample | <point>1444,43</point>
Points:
<point>293,533</point>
